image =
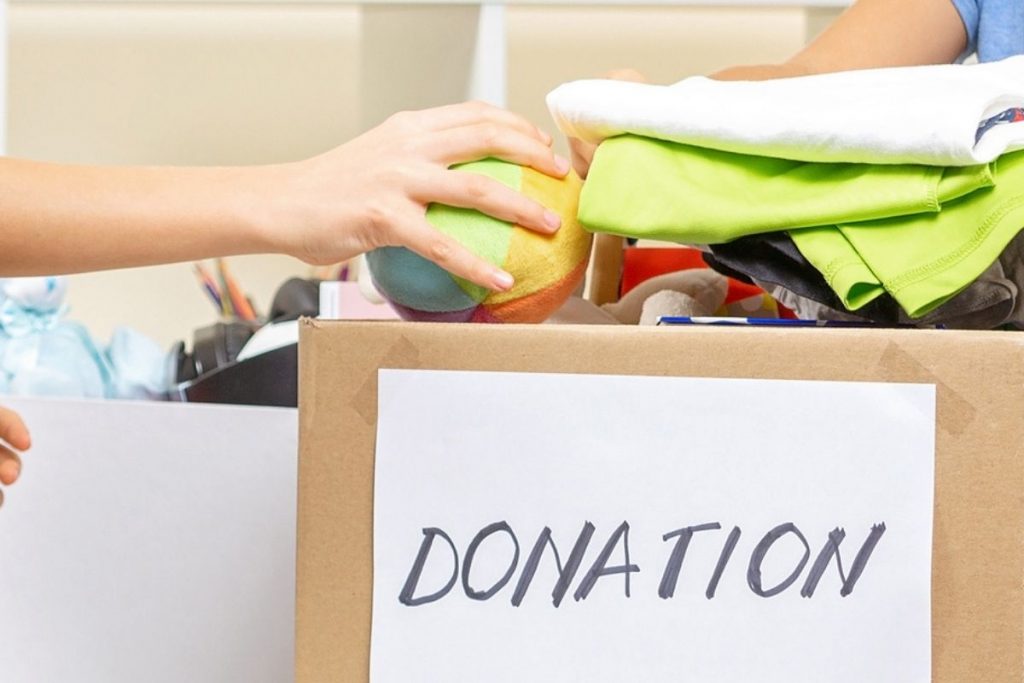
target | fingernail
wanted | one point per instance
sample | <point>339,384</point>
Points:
<point>553,220</point>
<point>562,164</point>
<point>503,281</point>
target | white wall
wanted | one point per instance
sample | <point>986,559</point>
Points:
<point>117,83</point>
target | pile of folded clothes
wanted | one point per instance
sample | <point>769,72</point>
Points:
<point>892,195</point>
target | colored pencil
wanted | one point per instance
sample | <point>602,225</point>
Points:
<point>209,285</point>
<point>238,301</point>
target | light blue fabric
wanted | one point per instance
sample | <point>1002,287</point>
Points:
<point>995,28</point>
<point>42,354</point>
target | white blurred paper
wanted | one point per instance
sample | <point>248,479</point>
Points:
<point>150,542</point>
<point>458,451</point>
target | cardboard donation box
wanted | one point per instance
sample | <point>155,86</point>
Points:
<point>505,503</point>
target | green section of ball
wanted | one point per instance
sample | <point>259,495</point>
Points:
<point>485,236</point>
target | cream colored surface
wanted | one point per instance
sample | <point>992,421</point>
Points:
<point>232,84</point>
<point>550,45</point>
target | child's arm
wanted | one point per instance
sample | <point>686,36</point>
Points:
<point>370,192</point>
<point>872,34</point>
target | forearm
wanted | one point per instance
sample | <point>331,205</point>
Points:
<point>65,219</point>
<point>872,34</point>
<point>761,72</point>
<point>371,192</point>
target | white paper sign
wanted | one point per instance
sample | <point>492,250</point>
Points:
<point>699,526</point>
<point>150,542</point>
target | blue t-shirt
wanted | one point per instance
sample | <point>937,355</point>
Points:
<point>995,28</point>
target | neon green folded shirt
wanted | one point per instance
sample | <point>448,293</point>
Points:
<point>921,232</point>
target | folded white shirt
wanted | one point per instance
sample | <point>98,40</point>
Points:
<point>923,114</point>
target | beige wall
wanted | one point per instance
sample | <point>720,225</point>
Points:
<point>223,84</point>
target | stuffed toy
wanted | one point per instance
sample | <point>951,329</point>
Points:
<point>547,268</point>
<point>683,293</point>
<point>691,292</point>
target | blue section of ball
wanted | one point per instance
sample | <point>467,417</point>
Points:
<point>412,281</point>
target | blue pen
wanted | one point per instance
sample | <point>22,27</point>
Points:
<point>768,322</point>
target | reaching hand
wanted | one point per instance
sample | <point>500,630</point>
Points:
<point>374,190</point>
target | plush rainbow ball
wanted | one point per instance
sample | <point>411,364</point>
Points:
<point>547,268</point>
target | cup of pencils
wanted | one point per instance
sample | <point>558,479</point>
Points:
<point>225,293</point>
